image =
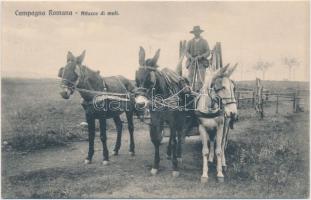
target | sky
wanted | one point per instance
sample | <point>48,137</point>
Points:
<point>36,47</point>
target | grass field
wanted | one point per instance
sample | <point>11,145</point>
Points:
<point>44,156</point>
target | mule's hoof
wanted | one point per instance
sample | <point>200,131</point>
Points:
<point>179,160</point>
<point>176,173</point>
<point>132,153</point>
<point>115,153</point>
<point>105,162</point>
<point>220,179</point>
<point>204,179</point>
<point>86,161</point>
<point>154,171</point>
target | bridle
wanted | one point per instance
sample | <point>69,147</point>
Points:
<point>65,83</point>
<point>169,102</point>
<point>222,101</point>
<point>142,90</point>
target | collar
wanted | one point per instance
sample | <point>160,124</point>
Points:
<point>209,114</point>
<point>152,68</point>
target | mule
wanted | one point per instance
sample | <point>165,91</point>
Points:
<point>216,111</point>
<point>90,84</point>
<point>155,89</point>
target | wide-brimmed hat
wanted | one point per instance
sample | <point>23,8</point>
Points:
<point>196,29</point>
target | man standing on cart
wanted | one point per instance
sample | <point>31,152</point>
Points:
<point>197,54</point>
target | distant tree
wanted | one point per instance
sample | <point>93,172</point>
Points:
<point>290,62</point>
<point>263,66</point>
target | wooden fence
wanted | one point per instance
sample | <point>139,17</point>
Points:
<point>247,98</point>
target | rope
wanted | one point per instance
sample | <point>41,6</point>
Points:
<point>100,92</point>
<point>197,72</point>
<point>163,102</point>
<point>109,95</point>
<point>200,75</point>
<point>122,85</point>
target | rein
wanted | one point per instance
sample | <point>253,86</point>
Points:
<point>109,95</point>
<point>222,101</point>
<point>74,87</point>
<point>232,98</point>
<point>141,89</point>
<point>163,102</point>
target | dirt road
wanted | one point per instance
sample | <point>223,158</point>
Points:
<point>60,172</point>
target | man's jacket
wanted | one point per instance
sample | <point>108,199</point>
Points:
<point>197,48</point>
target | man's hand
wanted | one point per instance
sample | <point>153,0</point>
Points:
<point>192,59</point>
<point>199,57</point>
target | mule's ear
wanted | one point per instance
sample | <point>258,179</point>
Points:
<point>231,70</point>
<point>156,57</point>
<point>81,58</point>
<point>60,72</point>
<point>226,67</point>
<point>221,71</point>
<point>141,56</point>
<point>78,70</point>
<point>70,57</point>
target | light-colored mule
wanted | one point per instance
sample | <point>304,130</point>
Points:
<point>216,111</point>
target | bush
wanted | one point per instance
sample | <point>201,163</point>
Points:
<point>32,130</point>
<point>269,157</point>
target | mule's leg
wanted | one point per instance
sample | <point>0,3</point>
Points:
<point>212,151</point>
<point>219,137</point>
<point>91,129</point>
<point>129,116</point>
<point>174,148</point>
<point>118,124</point>
<point>169,148</point>
<point>103,138</point>
<point>181,134</point>
<point>224,142</point>
<point>156,140</point>
<point>205,152</point>
<point>180,141</point>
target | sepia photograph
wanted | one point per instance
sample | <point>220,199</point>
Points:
<point>155,99</point>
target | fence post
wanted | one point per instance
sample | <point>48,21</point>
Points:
<point>238,98</point>
<point>253,99</point>
<point>267,96</point>
<point>298,108</point>
<point>294,102</point>
<point>277,104</point>
<point>258,97</point>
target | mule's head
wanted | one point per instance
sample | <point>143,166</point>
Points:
<point>224,88</point>
<point>70,74</point>
<point>145,77</point>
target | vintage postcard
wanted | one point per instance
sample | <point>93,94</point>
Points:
<point>162,99</point>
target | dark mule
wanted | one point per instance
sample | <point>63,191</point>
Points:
<point>76,76</point>
<point>163,91</point>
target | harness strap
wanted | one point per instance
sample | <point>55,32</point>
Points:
<point>149,67</point>
<point>209,114</point>
<point>122,85</point>
<point>104,84</point>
